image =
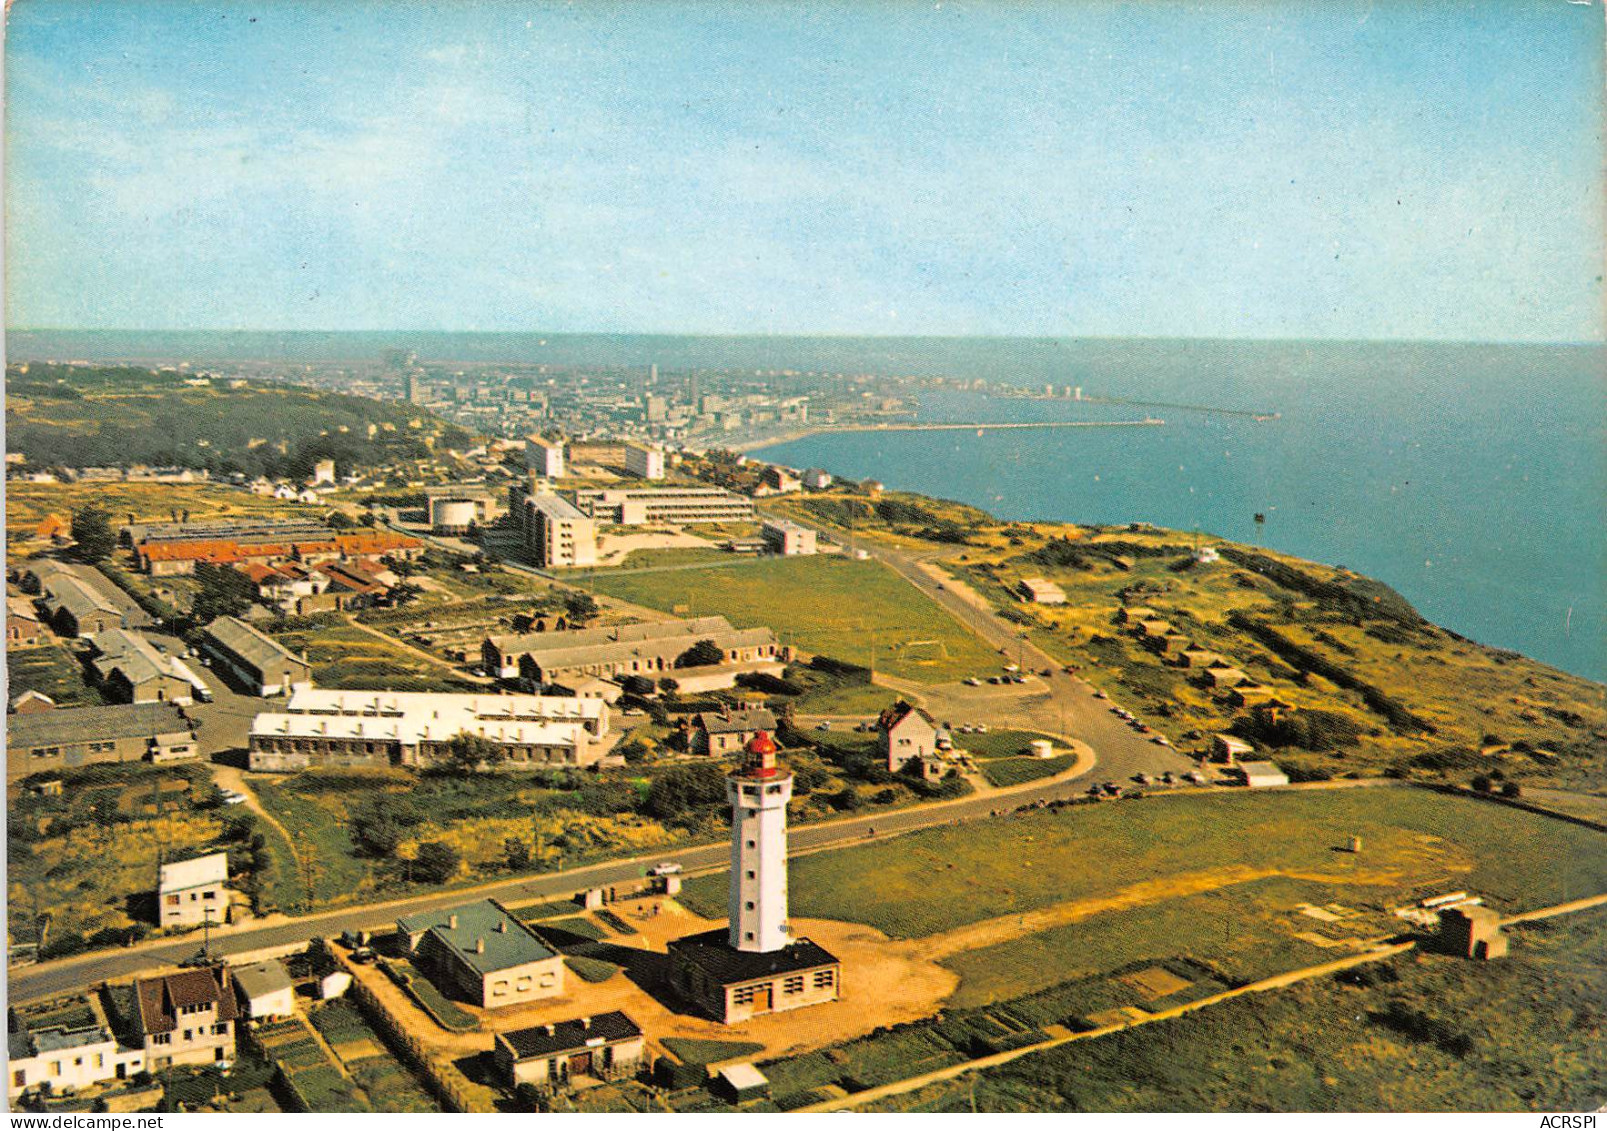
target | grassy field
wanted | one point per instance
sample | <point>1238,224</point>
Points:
<point>53,670</point>
<point>31,503</point>
<point>1014,771</point>
<point>997,743</point>
<point>343,655</point>
<point>85,857</point>
<point>1421,1032</point>
<point>1416,842</point>
<point>858,611</point>
<point>1244,932</point>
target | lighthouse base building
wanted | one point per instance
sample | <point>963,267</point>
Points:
<point>755,965</point>
<point>733,985</point>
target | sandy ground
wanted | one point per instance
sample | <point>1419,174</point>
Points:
<point>871,966</point>
<point>613,548</point>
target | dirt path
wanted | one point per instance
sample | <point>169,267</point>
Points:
<point>233,777</point>
<point>1006,928</point>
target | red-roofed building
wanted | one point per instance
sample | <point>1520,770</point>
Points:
<point>184,1018</point>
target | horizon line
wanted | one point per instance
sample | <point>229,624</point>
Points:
<point>835,336</point>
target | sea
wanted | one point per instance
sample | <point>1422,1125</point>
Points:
<point>1471,477</point>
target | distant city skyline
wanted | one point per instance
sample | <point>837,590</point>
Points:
<point>1425,171</point>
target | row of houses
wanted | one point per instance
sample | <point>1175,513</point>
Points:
<point>165,557</point>
<point>415,729</point>
<point>298,589</point>
<point>1156,633</point>
<point>186,1018</point>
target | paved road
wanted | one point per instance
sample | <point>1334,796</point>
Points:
<point>1057,704</point>
<point>52,978</point>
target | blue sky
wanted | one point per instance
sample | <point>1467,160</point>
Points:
<point>1380,170</point>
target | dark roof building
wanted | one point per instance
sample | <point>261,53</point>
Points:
<point>256,659</point>
<point>65,737</point>
<point>726,732</point>
<point>603,1046</point>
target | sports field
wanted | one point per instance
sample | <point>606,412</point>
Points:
<point>858,611</point>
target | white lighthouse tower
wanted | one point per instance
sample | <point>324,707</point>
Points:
<point>759,792</point>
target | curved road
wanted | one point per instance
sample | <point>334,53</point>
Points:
<point>64,975</point>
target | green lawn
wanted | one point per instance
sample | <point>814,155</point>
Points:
<point>1253,938</point>
<point>591,969</point>
<point>1417,842</point>
<point>997,743</point>
<point>1014,771</point>
<point>337,875</point>
<point>859,611</point>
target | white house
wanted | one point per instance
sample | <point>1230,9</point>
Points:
<point>191,892</point>
<point>65,1059</point>
<point>265,990</point>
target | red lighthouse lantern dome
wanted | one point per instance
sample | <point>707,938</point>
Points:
<point>761,750</point>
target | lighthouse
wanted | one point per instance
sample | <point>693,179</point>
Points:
<point>759,791</point>
<point>755,964</point>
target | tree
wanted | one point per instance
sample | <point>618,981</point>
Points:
<point>847,799</point>
<point>1481,784</point>
<point>340,520</point>
<point>580,605</point>
<point>637,685</point>
<point>704,653</point>
<point>225,592</point>
<point>435,862</point>
<point>517,853</point>
<point>681,794</point>
<point>93,533</point>
<point>405,593</point>
<point>669,685</point>
<point>376,829</point>
<point>1511,789</point>
<point>471,753</point>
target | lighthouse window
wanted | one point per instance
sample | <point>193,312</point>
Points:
<point>751,873</point>
<point>748,935</point>
<point>749,905</point>
<point>753,844</point>
<point>773,789</point>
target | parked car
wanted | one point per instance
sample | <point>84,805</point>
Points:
<point>667,868</point>
<point>1100,695</point>
<point>230,797</point>
<point>823,726</point>
<point>972,681</point>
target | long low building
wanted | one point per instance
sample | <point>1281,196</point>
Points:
<point>638,506</point>
<point>383,728</point>
<point>504,654</point>
<point>254,658</point>
<point>80,600</point>
<point>181,555</point>
<point>558,657</point>
<point>130,669</point>
<point>66,737</point>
